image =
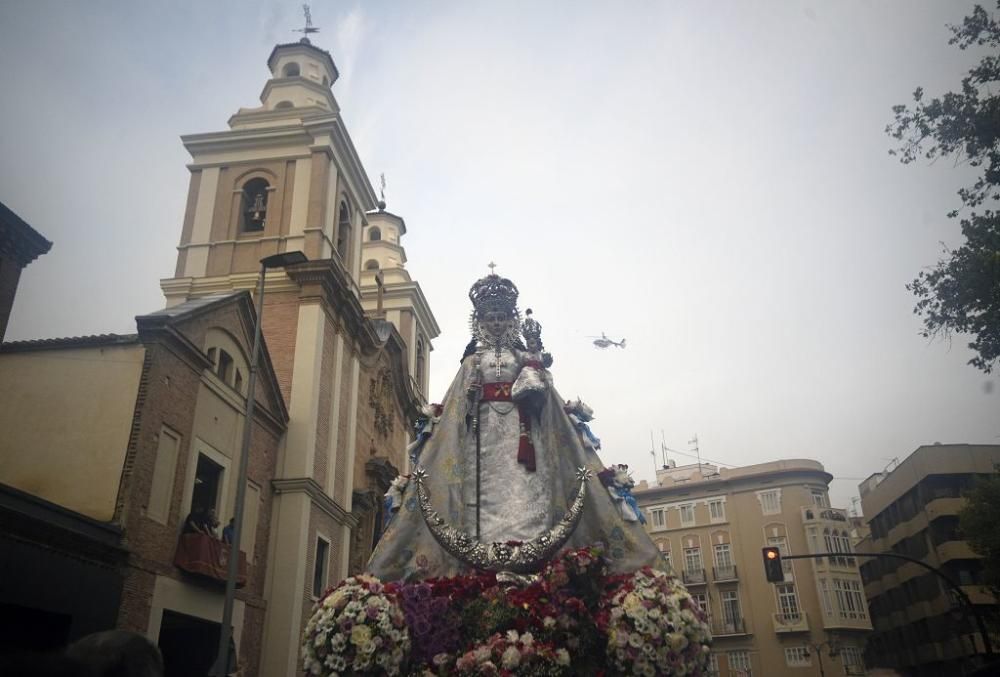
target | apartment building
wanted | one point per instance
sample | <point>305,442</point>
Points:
<point>711,523</point>
<point>919,626</point>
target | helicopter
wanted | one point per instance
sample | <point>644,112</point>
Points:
<point>603,341</point>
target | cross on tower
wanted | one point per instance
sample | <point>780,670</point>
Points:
<point>491,267</point>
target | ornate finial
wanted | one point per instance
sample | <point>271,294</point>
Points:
<point>381,202</point>
<point>491,266</point>
<point>308,28</point>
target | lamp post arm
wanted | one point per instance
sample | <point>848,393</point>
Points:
<point>222,658</point>
<point>980,623</point>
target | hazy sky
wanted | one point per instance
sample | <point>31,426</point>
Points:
<point>708,180</point>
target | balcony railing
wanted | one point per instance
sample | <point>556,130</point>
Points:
<point>694,576</point>
<point>791,622</point>
<point>728,626</point>
<point>724,573</point>
<point>814,512</point>
<point>202,555</point>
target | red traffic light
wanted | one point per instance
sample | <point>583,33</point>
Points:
<point>772,565</point>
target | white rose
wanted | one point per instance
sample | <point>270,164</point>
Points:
<point>511,658</point>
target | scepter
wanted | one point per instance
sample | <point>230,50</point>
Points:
<point>477,393</point>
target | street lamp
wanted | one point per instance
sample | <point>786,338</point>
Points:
<point>221,668</point>
<point>832,645</point>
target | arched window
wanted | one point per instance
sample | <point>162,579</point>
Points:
<point>254,205</point>
<point>420,363</point>
<point>374,234</point>
<point>372,264</point>
<point>228,360</point>
<point>284,104</point>
<point>290,70</point>
<point>344,232</point>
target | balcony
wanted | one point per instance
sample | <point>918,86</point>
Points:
<point>207,557</point>
<point>694,576</point>
<point>724,573</point>
<point>797,622</point>
<point>950,550</point>
<point>728,626</point>
<point>841,620</point>
<point>814,513</point>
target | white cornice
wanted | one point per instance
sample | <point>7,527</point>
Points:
<point>319,498</point>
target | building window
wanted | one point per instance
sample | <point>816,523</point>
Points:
<point>770,501</point>
<point>692,561</point>
<point>374,234</point>
<point>224,367</point>
<point>701,599</point>
<point>724,569</point>
<point>284,104</point>
<point>344,232</point>
<point>291,70</point>
<point>254,205</point>
<point>713,665</point>
<point>687,515</point>
<point>850,601</point>
<point>731,616</point>
<point>658,521</point>
<point>781,544</point>
<point>739,663</point>
<point>320,566</point>
<point>797,657</point>
<point>788,603</point>
<point>207,481</point>
<point>819,498</point>
<point>824,588</point>
<point>420,364</point>
<point>853,660</point>
<point>372,264</point>
<point>717,511</point>
<point>164,468</point>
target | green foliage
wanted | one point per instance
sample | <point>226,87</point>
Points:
<point>978,521</point>
<point>961,292</point>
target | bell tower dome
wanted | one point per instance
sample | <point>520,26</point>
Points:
<point>301,75</point>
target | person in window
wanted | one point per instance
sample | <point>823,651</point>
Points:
<point>528,451</point>
<point>211,524</point>
<point>227,531</point>
<point>194,523</point>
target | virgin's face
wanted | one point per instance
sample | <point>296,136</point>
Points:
<point>495,322</point>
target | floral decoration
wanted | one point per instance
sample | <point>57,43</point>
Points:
<point>574,619</point>
<point>357,628</point>
<point>653,626</point>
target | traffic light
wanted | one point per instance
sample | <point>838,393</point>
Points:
<point>772,565</point>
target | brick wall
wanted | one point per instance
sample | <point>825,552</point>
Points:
<point>323,423</point>
<point>171,395</point>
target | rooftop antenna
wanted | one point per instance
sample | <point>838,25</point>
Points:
<point>663,449</point>
<point>381,178</point>
<point>652,452</point>
<point>696,450</point>
<point>308,28</point>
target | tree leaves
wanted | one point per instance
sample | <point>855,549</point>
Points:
<point>961,293</point>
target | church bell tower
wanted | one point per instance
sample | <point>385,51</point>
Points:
<point>285,176</point>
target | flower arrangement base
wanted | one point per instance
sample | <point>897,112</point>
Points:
<point>571,619</point>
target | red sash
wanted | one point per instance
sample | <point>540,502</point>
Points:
<point>500,392</point>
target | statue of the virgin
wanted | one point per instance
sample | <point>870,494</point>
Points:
<point>502,460</point>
